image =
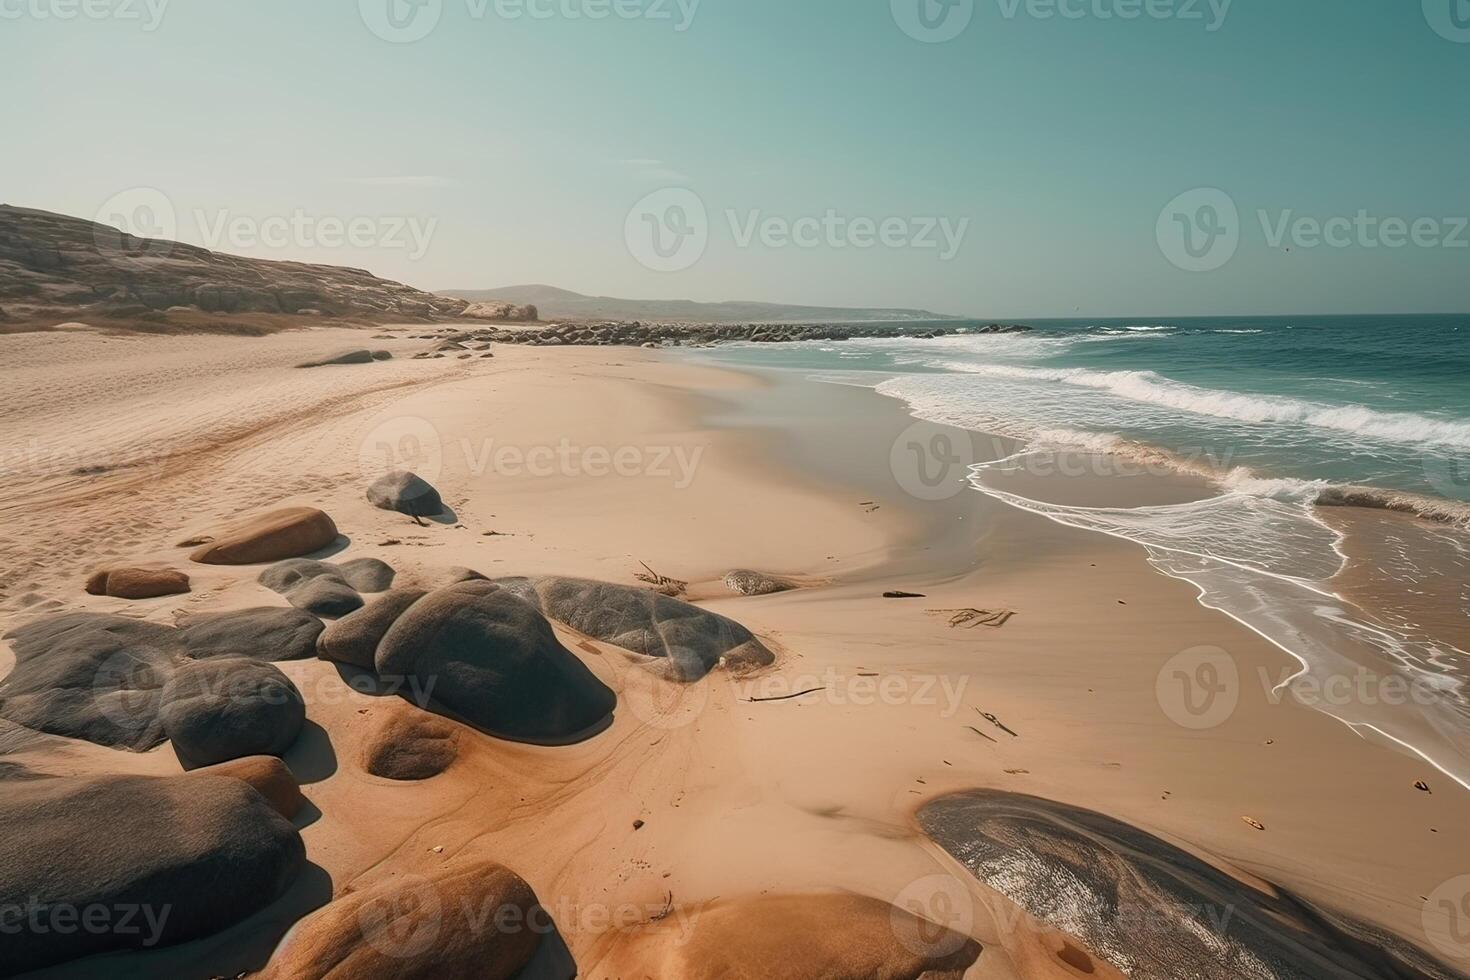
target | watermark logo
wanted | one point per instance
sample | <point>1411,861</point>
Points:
<point>126,691</point>
<point>403,923</point>
<point>662,703</point>
<point>223,230</point>
<point>147,13</point>
<point>1199,688</point>
<point>1450,19</point>
<point>1446,918</point>
<point>1449,476</point>
<point>933,21</point>
<point>402,443</point>
<point>933,917</point>
<point>931,462</point>
<point>401,21</point>
<point>835,230</point>
<point>1199,230</point>
<point>668,230</point>
<point>1210,13</point>
<point>139,222</point>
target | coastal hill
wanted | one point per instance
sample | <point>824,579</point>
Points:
<point>54,267</point>
<point>561,304</point>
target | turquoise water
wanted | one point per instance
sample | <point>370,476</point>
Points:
<point>1378,401</point>
<point>1279,414</point>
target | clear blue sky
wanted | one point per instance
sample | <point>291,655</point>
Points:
<point>528,140</point>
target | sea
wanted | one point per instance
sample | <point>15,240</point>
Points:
<point>1287,419</point>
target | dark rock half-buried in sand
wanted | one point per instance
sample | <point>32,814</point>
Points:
<point>407,493</point>
<point>291,532</point>
<point>354,639</point>
<point>189,855</point>
<point>1089,876</point>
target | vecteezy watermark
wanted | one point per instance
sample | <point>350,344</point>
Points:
<point>223,230</point>
<point>942,692</point>
<point>1449,475</point>
<point>148,14</point>
<point>1199,688</point>
<point>35,917</point>
<point>669,231</point>
<point>932,462</point>
<point>678,464</point>
<point>835,230</point>
<point>1446,918</point>
<point>405,442</point>
<point>406,21</point>
<point>1450,19</point>
<point>405,921</point>
<point>138,222</point>
<point>937,21</point>
<point>1200,230</point>
<point>933,916</point>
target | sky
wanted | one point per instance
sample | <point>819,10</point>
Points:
<point>993,158</point>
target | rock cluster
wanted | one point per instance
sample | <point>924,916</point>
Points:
<point>324,589</point>
<point>110,679</point>
<point>638,333</point>
<point>476,649</point>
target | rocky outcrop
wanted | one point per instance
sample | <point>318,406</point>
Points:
<point>65,267</point>
<point>286,533</point>
<point>188,855</point>
<point>406,493</point>
<point>137,583</point>
<point>230,708</point>
<point>493,310</point>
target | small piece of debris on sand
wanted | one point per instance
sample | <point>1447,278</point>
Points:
<point>1254,823</point>
<point>903,595</point>
<point>970,618</point>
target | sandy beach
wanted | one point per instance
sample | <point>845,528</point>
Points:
<point>1034,659</point>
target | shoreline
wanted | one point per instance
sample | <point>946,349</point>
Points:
<point>738,798</point>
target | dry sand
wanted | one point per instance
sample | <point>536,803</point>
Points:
<point>700,796</point>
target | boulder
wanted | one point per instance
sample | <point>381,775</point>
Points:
<point>355,356</point>
<point>230,708</point>
<point>413,927</point>
<point>354,639</point>
<point>409,744</point>
<point>407,493</point>
<point>382,355</point>
<point>360,574</point>
<point>368,574</point>
<point>325,595</point>
<point>496,662</point>
<point>268,776</point>
<point>188,855</point>
<point>270,634</point>
<point>290,532</point>
<point>689,640</point>
<point>92,677</point>
<point>793,937</point>
<point>137,583</point>
<point>747,582</point>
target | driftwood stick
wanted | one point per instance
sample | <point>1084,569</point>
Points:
<point>784,697</point>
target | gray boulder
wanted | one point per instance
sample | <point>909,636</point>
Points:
<point>690,640</point>
<point>354,639</point>
<point>230,708</point>
<point>406,493</point>
<point>270,634</point>
<point>325,595</point>
<point>93,677</point>
<point>368,574</point>
<point>195,854</point>
<point>495,661</point>
<point>360,574</point>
